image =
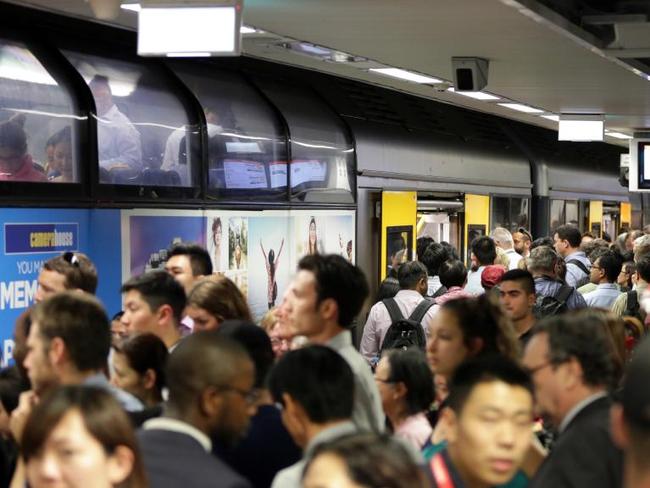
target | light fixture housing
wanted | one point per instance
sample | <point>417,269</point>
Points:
<point>189,28</point>
<point>581,127</point>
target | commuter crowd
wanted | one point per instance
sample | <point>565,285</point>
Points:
<point>528,369</point>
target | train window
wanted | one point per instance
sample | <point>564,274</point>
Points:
<point>144,133</point>
<point>247,149</point>
<point>509,212</point>
<point>518,213</point>
<point>38,121</point>
<point>571,212</point>
<point>500,212</point>
<point>322,167</point>
<point>557,214</point>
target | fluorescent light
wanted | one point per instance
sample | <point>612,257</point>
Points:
<point>133,7</point>
<point>577,127</point>
<point>200,30</point>
<point>519,107</point>
<point>618,135</point>
<point>554,118</point>
<point>247,30</point>
<point>477,95</point>
<point>405,75</point>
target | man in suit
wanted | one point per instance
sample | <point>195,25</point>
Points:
<point>210,380</point>
<point>570,362</point>
<point>631,419</point>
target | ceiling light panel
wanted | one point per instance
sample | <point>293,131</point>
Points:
<point>519,107</point>
<point>477,95</point>
<point>405,75</point>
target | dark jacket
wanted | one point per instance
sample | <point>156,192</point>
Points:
<point>177,460</point>
<point>584,455</point>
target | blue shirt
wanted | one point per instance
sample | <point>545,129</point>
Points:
<point>126,400</point>
<point>603,296</point>
<point>573,273</point>
<point>547,287</point>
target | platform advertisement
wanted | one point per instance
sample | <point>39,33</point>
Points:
<point>257,250</point>
<point>30,237</point>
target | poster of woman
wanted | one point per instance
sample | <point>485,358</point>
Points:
<point>237,243</point>
<point>340,236</point>
<point>308,234</point>
<point>217,245</point>
<point>269,267</point>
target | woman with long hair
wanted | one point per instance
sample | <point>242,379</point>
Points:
<point>79,436</point>
<point>215,299</point>
<point>312,242</point>
<point>215,243</point>
<point>271,261</point>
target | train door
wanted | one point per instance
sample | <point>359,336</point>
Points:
<point>440,216</point>
<point>626,217</point>
<point>595,218</point>
<point>477,221</point>
<point>611,219</point>
<point>398,234</point>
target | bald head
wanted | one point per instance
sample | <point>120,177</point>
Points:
<point>202,360</point>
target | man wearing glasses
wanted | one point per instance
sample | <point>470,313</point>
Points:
<point>570,362</point>
<point>210,380</point>
<point>604,273</point>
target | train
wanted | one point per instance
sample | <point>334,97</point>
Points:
<point>206,146</point>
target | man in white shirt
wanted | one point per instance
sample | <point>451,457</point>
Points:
<point>118,141</point>
<point>412,277</point>
<point>503,239</point>
<point>484,253</point>
<point>604,273</point>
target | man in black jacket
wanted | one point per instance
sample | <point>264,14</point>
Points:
<point>570,361</point>
<point>210,380</point>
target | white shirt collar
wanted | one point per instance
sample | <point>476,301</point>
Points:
<point>173,425</point>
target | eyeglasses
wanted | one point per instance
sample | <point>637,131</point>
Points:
<point>250,396</point>
<point>532,371</point>
<point>385,381</point>
<point>71,258</point>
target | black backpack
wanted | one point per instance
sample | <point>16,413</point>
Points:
<point>546,306</point>
<point>633,308</point>
<point>405,332</point>
<point>439,292</point>
<point>585,279</point>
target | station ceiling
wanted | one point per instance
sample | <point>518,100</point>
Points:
<point>569,56</point>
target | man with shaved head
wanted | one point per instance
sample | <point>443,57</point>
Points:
<point>210,380</point>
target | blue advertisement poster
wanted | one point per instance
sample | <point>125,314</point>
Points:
<point>32,236</point>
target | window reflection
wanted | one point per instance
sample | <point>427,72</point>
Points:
<point>38,138</point>
<point>246,145</point>
<point>144,134</point>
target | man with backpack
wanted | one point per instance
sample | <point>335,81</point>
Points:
<point>628,304</point>
<point>567,244</point>
<point>401,321</point>
<point>553,296</point>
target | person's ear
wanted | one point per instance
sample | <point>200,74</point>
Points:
<point>210,401</point>
<point>165,313</point>
<point>120,465</point>
<point>532,299</point>
<point>399,390</point>
<point>149,379</point>
<point>57,351</point>
<point>329,309</point>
